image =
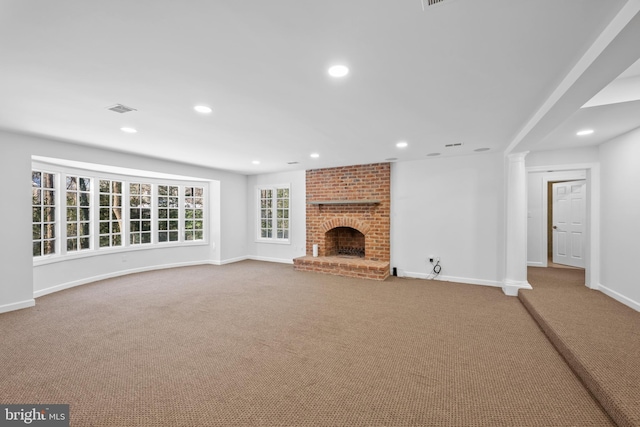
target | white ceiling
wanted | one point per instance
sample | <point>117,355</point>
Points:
<point>475,72</point>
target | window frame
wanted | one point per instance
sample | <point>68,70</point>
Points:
<point>57,238</point>
<point>258,199</point>
<point>61,171</point>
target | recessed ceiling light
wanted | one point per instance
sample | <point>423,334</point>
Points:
<point>256,162</point>
<point>338,71</point>
<point>315,155</point>
<point>128,130</point>
<point>585,132</point>
<point>402,144</point>
<point>479,150</point>
<point>202,109</point>
<point>433,154</point>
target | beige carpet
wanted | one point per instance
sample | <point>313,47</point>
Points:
<point>257,344</point>
<point>598,336</point>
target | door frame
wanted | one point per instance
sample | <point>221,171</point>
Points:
<point>591,173</point>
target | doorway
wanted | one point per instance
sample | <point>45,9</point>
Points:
<point>566,224</point>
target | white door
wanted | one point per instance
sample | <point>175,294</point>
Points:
<point>569,212</point>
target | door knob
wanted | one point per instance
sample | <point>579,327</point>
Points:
<point>555,227</point>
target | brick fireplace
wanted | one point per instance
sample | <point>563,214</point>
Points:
<point>348,217</point>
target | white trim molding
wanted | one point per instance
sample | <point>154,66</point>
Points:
<point>619,297</point>
<point>92,279</point>
<point>270,259</point>
<point>454,279</point>
<point>511,287</point>
<point>17,305</point>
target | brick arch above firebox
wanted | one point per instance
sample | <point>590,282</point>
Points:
<point>361,226</point>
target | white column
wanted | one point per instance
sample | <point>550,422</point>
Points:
<point>516,226</point>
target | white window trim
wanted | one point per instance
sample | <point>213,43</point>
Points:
<point>270,240</point>
<point>61,171</point>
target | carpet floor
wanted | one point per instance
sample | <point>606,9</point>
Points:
<point>258,344</point>
<point>598,336</point>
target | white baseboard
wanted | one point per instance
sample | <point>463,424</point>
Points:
<point>92,279</point>
<point>511,288</point>
<point>535,264</point>
<point>619,297</point>
<point>269,259</point>
<point>465,280</point>
<point>254,258</point>
<point>17,305</point>
<point>230,260</point>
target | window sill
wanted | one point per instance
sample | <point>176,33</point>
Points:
<point>274,241</point>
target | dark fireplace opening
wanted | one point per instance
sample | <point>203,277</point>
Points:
<point>344,241</point>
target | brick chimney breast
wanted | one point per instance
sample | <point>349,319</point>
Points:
<point>356,197</point>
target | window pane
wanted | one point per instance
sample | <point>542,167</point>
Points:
<point>49,247</point>
<point>49,214</point>
<point>49,231</point>
<point>37,232</point>
<point>72,183</point>
<point>48,197</point>
<point>85,184</point>
<point>85,243</point>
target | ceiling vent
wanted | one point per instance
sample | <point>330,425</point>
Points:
<point>432,2</point>
<point>457,144</point>
<point>119,108</point>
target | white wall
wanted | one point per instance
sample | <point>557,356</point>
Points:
<point>16,278</point>
<point>562,157</point>
<point>275,251</point>
<point>21,280</point>
<point>452,208</point>
<point>620,214</point>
